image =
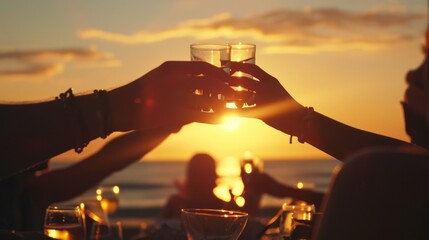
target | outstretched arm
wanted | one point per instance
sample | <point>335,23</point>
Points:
<point>33,133</point>
<point>63,184</point>
<point>272,187</point>
<point>277,108</point>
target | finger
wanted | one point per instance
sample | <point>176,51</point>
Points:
<point>196,68</point>
<point>203,102</point>
<point>245,82</point>
<point>208,85</point>
<point>253,70</point>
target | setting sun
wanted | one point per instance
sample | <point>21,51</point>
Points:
<point>231,123</point>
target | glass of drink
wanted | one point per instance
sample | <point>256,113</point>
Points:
<point>109,198</point>
<point>106,231</point>
<point>243,52</point>
<point>202,224</point>
<point>303,225</point>
<point>289,212</point>
<point>218,55</point>
<point>64,222</point>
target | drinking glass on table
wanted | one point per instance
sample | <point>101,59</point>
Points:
<point>303,225</point>
<point>243,52</point>
<point>106,231</point>
<point>64,222</point>
<point>290,212</point>
<point>202,224</point>
<point>109,198</point>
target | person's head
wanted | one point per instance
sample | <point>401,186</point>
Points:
<point>416,106</point>
<point>201,173</point>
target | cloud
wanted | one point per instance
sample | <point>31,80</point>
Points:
<point>286,30</point>
<point>49,62</point>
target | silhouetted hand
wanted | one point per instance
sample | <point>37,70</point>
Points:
<point>165,96</point>
<point>274,105</point>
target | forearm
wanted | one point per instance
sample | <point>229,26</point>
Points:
<point>32,133</point>
<point>340,140</point>
<point>119,153</point>
<point>275,188</point>
<point>330,136</point>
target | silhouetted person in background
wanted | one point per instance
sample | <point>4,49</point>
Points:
<point>197,189</point>
<point>257,183</point>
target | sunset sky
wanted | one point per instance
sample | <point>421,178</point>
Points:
<point>345,58</point>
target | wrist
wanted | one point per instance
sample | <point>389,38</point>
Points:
<point>289,120</point>
<point>123,108</point>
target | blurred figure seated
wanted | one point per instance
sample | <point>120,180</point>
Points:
<point>197,189</point>
<point>257,183</point>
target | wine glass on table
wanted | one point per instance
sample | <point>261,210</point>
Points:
<point>300,213</point>
<point>109,198</point>
<point>202,224</point>
<point>106,231</point>
<point>64,222</point>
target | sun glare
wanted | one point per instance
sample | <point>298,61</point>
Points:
<point>231,123</point>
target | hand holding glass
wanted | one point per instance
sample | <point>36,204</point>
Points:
<point>245,53</point>
<point>216,54</point>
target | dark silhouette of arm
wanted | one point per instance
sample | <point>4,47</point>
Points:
<point>271,186</point>
<point>64,184</point>
<point>33,133</point>
<point>277,108</point>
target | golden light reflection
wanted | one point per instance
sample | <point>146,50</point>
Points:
<point>57,234</point>
<point>229,183</point>
<point>222,192</point>
<point>240,201</point>
<point>237,187</point>
<point>116,189</point>
<point>248,168</point>
<point>300,185</point>
<point>228,167</point>
<point>231,105</point>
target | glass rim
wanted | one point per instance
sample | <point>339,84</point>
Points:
<point>214,212</point>
<point>64,207</point>
<point>242,45</point>
<point>306,208</point>
<point>210,46</point>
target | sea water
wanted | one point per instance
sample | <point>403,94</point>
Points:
<point>149,184</point>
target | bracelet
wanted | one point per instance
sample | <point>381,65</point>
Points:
<point>102,113</point>
<point>308,116</point>
<point>75,118</point>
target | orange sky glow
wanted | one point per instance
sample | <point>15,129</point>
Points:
<point>346,59</point>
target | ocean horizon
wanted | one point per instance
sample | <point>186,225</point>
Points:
<point>148,184</point>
